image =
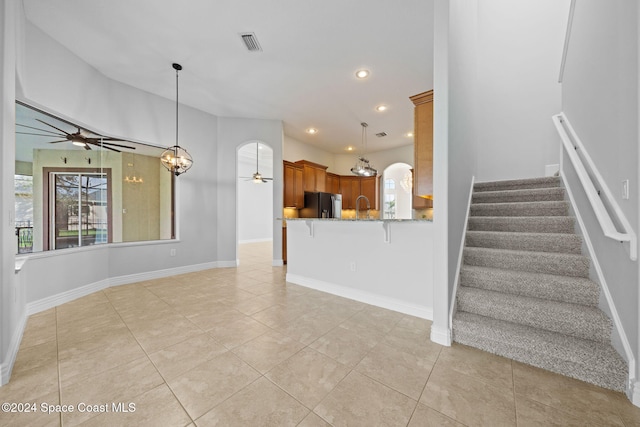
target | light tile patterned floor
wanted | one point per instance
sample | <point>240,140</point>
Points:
<point>240,347</point>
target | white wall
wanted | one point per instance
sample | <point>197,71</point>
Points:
<point>397,172</point>
<point>50,77</point>
<point>379,159</point>
<point>387,274</point>
<point>232,134</point>
<point>255,201</point>
<point>600,99</point>
<point>12,291</point>
<point>519,47</point>
<point>495,76</point>
<point>295,150</point>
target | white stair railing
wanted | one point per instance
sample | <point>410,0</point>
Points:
<point>572,144</point>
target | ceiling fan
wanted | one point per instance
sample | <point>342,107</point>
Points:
<point>81,138</point>
<point>257,177</point>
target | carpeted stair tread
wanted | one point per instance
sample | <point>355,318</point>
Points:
<point>575,290</point>
<point>542,242</point>
<point>535,262</point>
<point>552,208</point>
<point>534,224</point>
<point>526,195</point>
<point>524,288</point>
<point>570,319</point>
<point>517,184</point>
<point>584,360</point>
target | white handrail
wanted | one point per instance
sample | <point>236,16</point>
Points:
<point>571,143</point>
<point>567,35</point>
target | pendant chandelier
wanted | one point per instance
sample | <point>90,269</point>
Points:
<point>176,159</point>
<point>362,166</point>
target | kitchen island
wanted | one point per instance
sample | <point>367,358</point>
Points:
<point>387,263</point>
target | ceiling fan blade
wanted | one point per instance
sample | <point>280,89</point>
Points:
<point>38,129</point>
<point>104,146</point>
<point>55,142</point>
<point>40,134</point>
<point>116,145</point>
<point>269,179</point>
<point>86,147</point>
<point>65,132</point>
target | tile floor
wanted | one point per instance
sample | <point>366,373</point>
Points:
<point>240,347</point>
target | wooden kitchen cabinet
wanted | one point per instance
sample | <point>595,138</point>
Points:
<point>315,175</point>
<point>293,185</point>
<point>350,189</point>
<point>423,150</point>
<point>369,188</point>
<point>333,183</point>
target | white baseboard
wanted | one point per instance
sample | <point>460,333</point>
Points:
<point>441,336</point>
<point>159,274</point>
<point>12,351</point>
<point>266,239</point>
<point>277,263</point>
<point>64,297</point>
<point>363,296</point>
<point>227,264</point>
<point>633,393</point>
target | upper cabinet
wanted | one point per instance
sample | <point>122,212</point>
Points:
<point>293,185</point>
<point>315,175</point>
<point>333,183</point>
<point>423,150</point>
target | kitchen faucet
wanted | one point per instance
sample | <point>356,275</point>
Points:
<point>368,205</point>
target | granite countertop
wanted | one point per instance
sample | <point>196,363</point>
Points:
<point>357,220</point>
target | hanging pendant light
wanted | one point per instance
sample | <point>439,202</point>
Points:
<point>362,166</point>
<point>176,159</point>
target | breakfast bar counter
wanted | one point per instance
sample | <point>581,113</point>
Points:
<point>387,263</point>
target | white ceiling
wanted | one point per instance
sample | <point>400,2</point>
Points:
<point>305,74</point>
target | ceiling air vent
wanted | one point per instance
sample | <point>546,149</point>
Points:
<point>381,134</point>
<point>251,41</point>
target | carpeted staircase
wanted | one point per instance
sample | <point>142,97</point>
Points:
<point>524,291</point>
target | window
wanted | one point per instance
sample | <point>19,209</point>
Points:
<point>24,213</point>
<point>80,214</point>
<point>390,206</point>
<point>389,184</point>
<point>76,188</point>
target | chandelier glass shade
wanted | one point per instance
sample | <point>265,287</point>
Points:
<point>176,159</point>
<point>362,166</point>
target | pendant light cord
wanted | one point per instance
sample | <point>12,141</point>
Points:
<point>177,93</point>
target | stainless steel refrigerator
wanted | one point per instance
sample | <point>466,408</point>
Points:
<point>321,205</point>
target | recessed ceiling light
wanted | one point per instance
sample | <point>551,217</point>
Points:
<point>381,108</point>
<point>349,148</point>
<point>312,131</point>
<point>362,74</point>
<point>409,134</point>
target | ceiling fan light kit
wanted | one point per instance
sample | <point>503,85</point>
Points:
<point>176,159</point>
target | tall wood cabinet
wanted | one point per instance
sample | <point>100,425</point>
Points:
<point>293,185</point>
<point>315,175</point>
<point>423,150</point>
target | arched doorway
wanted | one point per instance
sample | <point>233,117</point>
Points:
<point>396,192</point>
<point>255,202</point>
